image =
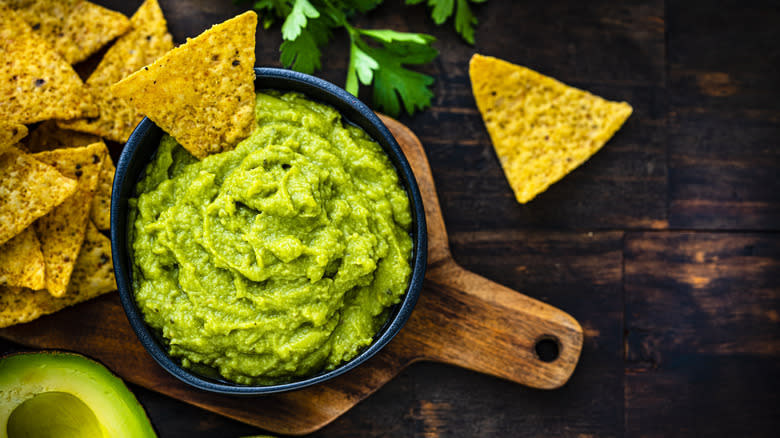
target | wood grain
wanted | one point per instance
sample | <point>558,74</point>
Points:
<point>461,319</point>
<point>724,116</point>
<point>702,333</point>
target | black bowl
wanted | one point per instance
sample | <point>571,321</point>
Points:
<point>138,152</point>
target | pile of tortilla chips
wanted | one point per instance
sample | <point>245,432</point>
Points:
<point>48,237</point>
<point>540,128</point>
<point>55,183</point>
<point>55,171</point>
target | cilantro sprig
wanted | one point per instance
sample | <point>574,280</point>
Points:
<point>383,65</point>
<point>441,10</point>
<point>381,58</point>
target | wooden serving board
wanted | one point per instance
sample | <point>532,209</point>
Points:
<point>461,318</point>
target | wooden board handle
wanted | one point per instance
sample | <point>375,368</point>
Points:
<point>438,245</point>
<point>467,320</point>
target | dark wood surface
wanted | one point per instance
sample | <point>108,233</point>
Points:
<point>664,246</point>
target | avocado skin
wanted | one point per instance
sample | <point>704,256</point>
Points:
<point>25,375</point>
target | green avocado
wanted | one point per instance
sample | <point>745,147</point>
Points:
<point>65,395</point>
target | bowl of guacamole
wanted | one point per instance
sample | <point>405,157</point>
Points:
<point>276,265</point>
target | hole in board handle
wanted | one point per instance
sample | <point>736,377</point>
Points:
<point>547,348</point>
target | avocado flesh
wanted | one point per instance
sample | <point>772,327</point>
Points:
<point>66,395</point>
<point>53,414</point>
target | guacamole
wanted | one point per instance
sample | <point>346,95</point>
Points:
<point>275,260</point>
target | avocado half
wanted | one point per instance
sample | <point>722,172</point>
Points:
<point>65,395</point>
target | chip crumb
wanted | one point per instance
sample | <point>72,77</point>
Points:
<point>541,129</point>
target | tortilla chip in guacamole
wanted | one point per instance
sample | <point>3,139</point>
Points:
<point>202,92</point>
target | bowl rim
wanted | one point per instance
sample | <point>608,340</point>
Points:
<point>348,105</point>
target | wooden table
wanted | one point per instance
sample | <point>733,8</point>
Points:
<point>664,246</point>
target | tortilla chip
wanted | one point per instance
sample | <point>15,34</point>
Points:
<point>93,276</point>
<point>100,212</point>
<point>74,28</point>
<point>48,136</point>
<point>62,230</point>
<point>35,82</point>
<point>94,271</point>
<point>29,189</point>
<point>202,93</point>
<point>541,129</point>
<point>10,134</point>
<point>19,305</point>
<point>148,40</point>
<point>21,261</point>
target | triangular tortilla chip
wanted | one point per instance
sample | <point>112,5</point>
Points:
<point>48,136</point>
<point>62,230</point>
<point>94,271</point>
<point>100,212</point>
<point>10,134</point>
<point>93,275</point>
<point>202,92</point>
<point>19,305</point>
<point>148,40</point>
<point>541,129</point>
<point>28,190</point>
<point>74,28</point>
<point>35,82</point>
<point>21,261</point>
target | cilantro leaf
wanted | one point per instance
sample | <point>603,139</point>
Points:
<point>361,6</point>
<point>298,18</point>
<point>394,84</point>
<point>303,53</point>
<point>389,36</point>
<point>361,67</point>
<point>465,21</point>
<point>271,10</point>
<point>442,9</point>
